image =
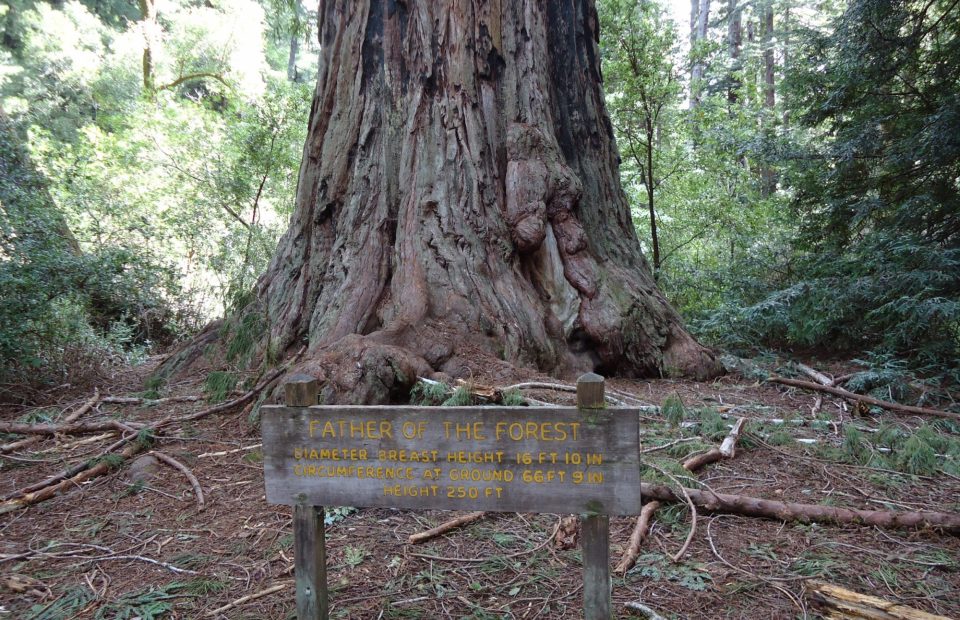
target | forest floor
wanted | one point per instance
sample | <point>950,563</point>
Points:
<point>109,548</point>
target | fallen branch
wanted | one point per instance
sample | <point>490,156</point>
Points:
<point>643,610</point>
<point>443,528</point>
<point>239,401</point>
<point>847,604</point>
<point>70,419</point>
<point>693,514</point>
<point>789,511</point>
<point>250,597</point>
<point>226,452</point>
<point>816,375</point>
<point>47,492</point>
<point>837,391</point>
<point>73,470</point>
<point>150,402</point>
<point>66,429</point>
<point>639,534</point>
<point>727,450</point>
<point>172,462</point>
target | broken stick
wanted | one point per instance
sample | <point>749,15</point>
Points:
<point>172,462</point>
<point>727,450</point>
<point>443,528</point>
<point>846,604</point>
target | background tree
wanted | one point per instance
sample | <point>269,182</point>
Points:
<point>643,92</point>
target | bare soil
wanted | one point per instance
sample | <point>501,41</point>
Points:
<point>115,549</point>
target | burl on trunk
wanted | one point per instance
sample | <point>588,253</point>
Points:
<point>459,193</point>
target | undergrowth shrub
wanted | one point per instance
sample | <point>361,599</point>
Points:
<point>894,299</point>
<point>66,310</point>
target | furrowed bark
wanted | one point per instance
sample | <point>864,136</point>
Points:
<point>459,197</point>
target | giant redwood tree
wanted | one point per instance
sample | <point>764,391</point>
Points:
<point>459,197</point>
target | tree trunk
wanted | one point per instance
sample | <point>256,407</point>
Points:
<point>699,23</point>
<point>292,58</point>
<point>769,92</point>
<point>459,198</point>
<point>649,181</point>
<point>734,46</point>
<point>148,14</point>
<point>767,174</point>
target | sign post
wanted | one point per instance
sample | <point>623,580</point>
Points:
<point>309,537</point>
<point>583,460</point>
<point>595,528</point>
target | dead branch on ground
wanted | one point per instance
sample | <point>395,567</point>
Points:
<point>70,419</point>
<point>47,492</point>
<point>172,462</point>
<point>443,528</point>
<point>250,597</point>
<point>152,402</point>
<point>846,604</point>
<point>818,513</point>
<point>869,400</point>
<point>727,450</point>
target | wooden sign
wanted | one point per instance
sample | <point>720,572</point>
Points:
<point>507,459</point>
<point>521,459</point>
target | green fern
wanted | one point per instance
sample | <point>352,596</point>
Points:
<point>218,385</point>
<point>513,398</point>
<point>429,394</point>
<point>673,410</point>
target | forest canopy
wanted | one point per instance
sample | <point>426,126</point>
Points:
<point>792,169</point>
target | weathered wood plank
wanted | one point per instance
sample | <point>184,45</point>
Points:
<point>595,537</point>
<point>300,390</point>
<point>310,562</point>
<point>506,459</point>
<point>595,528</point>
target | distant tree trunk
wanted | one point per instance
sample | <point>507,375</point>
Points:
<point>649,182</point>
<point>786,61</point>
<point>459,201</point>
<point>699,23</point>
<point>767,173</point>
<point>292,59</point>
<point>769,92</point>
<point>734,46</point>
<point>148,14</point>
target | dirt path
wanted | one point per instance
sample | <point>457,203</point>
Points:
<point>115,549</point>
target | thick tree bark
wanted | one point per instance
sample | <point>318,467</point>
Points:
<point>459,196</point>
